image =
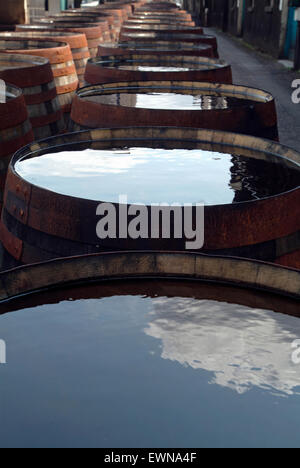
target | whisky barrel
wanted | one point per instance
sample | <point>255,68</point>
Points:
<point>15,128</point>
<point>198,347</point>
<point>77,42</point>
<point>118,11</point>
<point>249,186</point>
<point>152,67</point>
<point>75,20</point>
<point>34,76</point>
<point>159,48</point>
<point>175,37</point>
<point>60,57</point>
<point>93,33</point>
<point>109,24</point>
<point>180,104</point>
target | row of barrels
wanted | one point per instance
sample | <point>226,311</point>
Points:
<point>47,62</point>
<point>67,40</point>
<point>39,224</point>
<point>161,52</point>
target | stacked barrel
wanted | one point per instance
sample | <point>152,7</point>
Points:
<point>108,60</point>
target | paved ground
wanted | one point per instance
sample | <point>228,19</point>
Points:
<point>254,69</point>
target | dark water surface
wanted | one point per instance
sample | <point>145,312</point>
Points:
<point>158,175</point>
<point>157,67</point>
<point>148,368</point>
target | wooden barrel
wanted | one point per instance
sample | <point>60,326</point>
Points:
<point>108,23</point>
<point>233,280</point>
<point>175,37</point>
<point>77,42</point>
<point>125,7</point>
<point>34,76</point>
<point>176,104</point>
<point>93,33</point>
<point>252,204</point>
<point>72,20</point>
<point>166,29</point>
<point>159,48</point>
<point>60,57</point>
<point>15,128</point>
<point>152,67</point>
<point>186,343</point>
<point>117,10</point>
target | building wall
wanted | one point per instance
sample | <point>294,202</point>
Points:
<point>19,11</point>
<point>262,25</point>
<point>38,8</point>
<point>12,12</point>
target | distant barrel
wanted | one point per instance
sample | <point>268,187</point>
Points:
<point>109,22</point>
<point>34,76</point>
<point>77,42</point>
<point>151,67</point>
<point>198,105</point>
<point>58,192</point>
<point>74,21</point>
<point>60,57</point>
<point>93,33</point>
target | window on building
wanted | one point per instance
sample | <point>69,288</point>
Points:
<point>269,6</point>
<point>251,5</point>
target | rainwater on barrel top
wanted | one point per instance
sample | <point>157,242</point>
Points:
<point>193,100</point>
<point>85,363</point>
<point>159,66</point>
<point>158,175</point>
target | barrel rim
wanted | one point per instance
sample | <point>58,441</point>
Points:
<point>51,26</point>
<point>50,32</point>
<point>142,265</point>
<point>159,133</point>
<point>133,46</point>
<point>31,59</point>
<point>51,44</point>
<point>258,93</point>
<point>106,59</point>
